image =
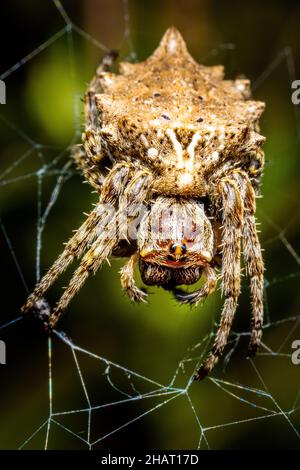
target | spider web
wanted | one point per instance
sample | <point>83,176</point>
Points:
<point>106,397</point>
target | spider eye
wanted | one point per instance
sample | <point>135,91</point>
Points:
<point>255,164</point>
<point>183,248</point>
<point>172,248</point>
<point>177,249</point>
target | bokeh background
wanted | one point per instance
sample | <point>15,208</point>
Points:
<point>39,123</point>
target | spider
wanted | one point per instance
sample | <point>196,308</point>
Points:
<point>174,137</point>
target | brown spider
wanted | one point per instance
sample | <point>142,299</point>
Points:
<point>173,137</point>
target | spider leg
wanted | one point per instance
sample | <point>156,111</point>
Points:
<point>128,283</point>
<point>136,191</point>
<point>232,225</point>
<point>91,262</point>
<point>89,155</point>
<point>255,269</point>
<point>85,235</point>
<point>253,260</point>
<point>91,173</point>
<point>193,298</point>
<point>74,248</point>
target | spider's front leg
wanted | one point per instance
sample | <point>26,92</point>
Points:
<point>232,215</point>
<point>73,249</point>
<point>136,191</point>
<point>113,187</point>
<point>193,298</point>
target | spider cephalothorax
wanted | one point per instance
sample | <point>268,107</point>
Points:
<point>174,152</point>
<point>175,242</point>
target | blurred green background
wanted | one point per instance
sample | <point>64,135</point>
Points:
<point>39,123</point>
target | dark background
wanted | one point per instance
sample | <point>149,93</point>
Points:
<point>43,117</point>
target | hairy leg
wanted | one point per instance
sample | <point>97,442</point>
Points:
<point>73,249</point>
<point>137,191</point>
<point>128,283</point>
<point>90,171</point>
<point>193,298</point>
<point>112,189</point>
<point>89,155</point>
<point>90,263</point>
<point>253,260</point>
<point>232,224</point>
